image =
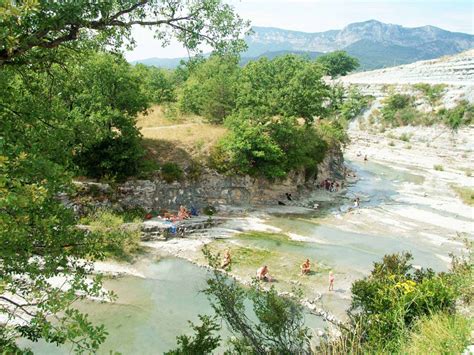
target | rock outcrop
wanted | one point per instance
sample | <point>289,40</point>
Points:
<point>214,189</point>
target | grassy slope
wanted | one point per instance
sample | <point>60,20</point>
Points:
<point>180,141</point>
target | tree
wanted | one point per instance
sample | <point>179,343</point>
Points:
<point>288,85</point>
<point>82,116</point>
<point>30,29</point>
<point>210,90</point>
<point>338,63</point>
<point>58,100</point>
<point>204,342</point>
<point>159,85</point>
<point>269,149</point>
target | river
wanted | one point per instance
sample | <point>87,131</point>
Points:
<point>152,310</point>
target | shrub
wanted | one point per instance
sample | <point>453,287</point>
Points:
<point>354,104</point>
<point>398,109</point>
<point>147,168</point>
<point>119,242</point>
<point>432,92</point>
<point>171,172</point>
<point>458,116</point>
<point>270,149</point>
<point>466,194</point>
<point>118,156</point>
<point>438,167</point>
<point>394,296</point>
<point>194,171</point>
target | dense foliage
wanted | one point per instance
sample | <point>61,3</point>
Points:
<point>395,296</point>
<point>66,106</point>
<point>276,104</point>
<point>338,63</point>
<point>270,149</point>
<point>392,308</point>
<point>285,86</point>
<point>401,110</point>
<point>210,89</point>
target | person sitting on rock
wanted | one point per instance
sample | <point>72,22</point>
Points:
<point>183,213</point>
<point>305,267</point>
<point>227,260</point>
<point>262,274</point>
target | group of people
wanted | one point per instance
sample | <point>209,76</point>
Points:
<point>183,213</point>
<point>330,185</point>
<point>263,273</point>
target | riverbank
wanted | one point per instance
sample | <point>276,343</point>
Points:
<point>164,292</point>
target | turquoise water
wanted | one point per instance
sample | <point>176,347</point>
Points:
<point>151,312</point>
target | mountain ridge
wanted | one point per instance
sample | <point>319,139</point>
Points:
<point>374,43</point>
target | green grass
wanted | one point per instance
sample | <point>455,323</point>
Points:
<point>279,239</point>
<point>118,242</point>
<point>465,193</point>
<point>439,334</point>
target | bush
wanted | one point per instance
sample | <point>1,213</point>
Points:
<point>119,242</point>
<point>249,149</point>
<point>432,92</point>
<point>398,110</point>
<point>438,167</point>
<point>466,194</point>
<point>394,296</point>
<point>171,172</point>
<point>270,150</point>
<point>354,104</point>
<point>458,116</point>
<point>118,156</point>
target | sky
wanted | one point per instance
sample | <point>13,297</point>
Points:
<point>323,15</point>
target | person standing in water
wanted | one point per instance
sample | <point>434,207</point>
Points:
<point>227,260</point>
<point>331,281</point>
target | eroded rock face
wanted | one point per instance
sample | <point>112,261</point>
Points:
<point>216,189</point>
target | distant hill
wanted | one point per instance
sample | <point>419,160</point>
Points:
<point>375,44</point>
<point>274,54</point>
<point>167,63</point>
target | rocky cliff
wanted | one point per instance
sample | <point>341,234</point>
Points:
<point>214,189</point>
